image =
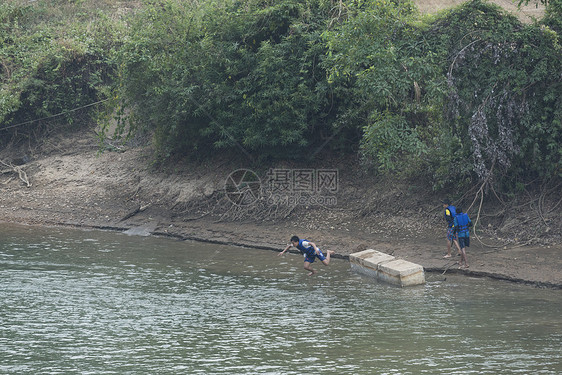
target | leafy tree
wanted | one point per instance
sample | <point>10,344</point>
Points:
<point>231,74</point>
<point>47,72</point>
<point>394,79</point>
<point>553,15</point>
<point>468,97</point>
<point>502,99</point>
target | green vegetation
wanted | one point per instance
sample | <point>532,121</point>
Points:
<point>228,74</point>
<point>53,58</point>
<point>470,96</point>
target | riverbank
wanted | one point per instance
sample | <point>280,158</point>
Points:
<point>73,185</point>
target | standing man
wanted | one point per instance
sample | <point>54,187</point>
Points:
<point>310,252</point>
<point>462,223</point>
<point>450,213</point>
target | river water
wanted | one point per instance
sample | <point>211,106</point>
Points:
<point>94,302</point>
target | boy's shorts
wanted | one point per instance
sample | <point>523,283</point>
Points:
<point>451,235</point>
<point>464,242</point>
<point>310,258</point>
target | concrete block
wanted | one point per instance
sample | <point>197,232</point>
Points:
<point>370,258</point>
<point>367,262</point>
<point>401,272</point>
<point>387,268</point>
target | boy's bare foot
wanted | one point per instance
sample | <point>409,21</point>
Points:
<point>447,256</point>
<point>331,252</point>
<point>311,273</point>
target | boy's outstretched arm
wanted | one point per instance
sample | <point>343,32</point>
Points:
<point>283,252</point>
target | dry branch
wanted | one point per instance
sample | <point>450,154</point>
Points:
<point>16,169</point>
<point>132,213</point>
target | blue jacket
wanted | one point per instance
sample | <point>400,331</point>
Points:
<point>462,223</point>
<point>305,250</point>
<point>450,213</point>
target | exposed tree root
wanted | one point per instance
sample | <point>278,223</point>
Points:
<point>16,169</point>
<point>536,204</point>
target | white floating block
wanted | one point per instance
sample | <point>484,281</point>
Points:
<point>401,272</point>
<point>387,268</point>
<point>370,258</point>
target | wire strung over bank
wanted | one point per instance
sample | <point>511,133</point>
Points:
<point>53,116</point>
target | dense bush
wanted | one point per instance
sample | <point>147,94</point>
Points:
<point>473,96</point>
<point>504,98</point>
<point>228,74</point>
<point>49,69</point>
<point>395,81</point>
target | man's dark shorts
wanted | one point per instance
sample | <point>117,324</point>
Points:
<point>310,258</point>
<point>464,242</point>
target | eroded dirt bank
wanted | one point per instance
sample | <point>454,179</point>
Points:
<point>73,185</point>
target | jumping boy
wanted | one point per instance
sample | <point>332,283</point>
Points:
<point>310,252</point>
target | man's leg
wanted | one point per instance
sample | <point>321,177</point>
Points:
<point>456,241</point>
<point>463,258</point>
<point>448,249</point>
<point>326,261</point>
<point>308,267</point>
<point>449,242</point>
<point>465,244</point>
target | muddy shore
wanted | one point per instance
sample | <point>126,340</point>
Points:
<point>72,184</point>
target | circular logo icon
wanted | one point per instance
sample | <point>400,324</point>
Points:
<point>243,187</point>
